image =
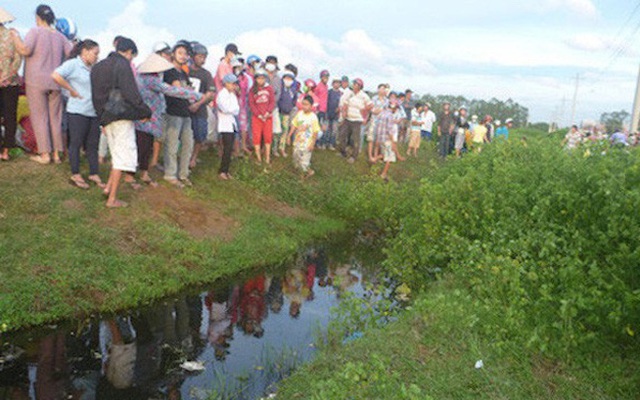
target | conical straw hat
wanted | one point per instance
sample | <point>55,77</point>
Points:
<point>154,64</point>
<point>5,16</point>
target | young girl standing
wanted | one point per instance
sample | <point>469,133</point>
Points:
<point>262,101</point>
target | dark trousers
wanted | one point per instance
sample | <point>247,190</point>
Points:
<point>446,144</point>
<point>9,113</point>
<point>83,132</point>
<point>144,141</point>
<point>227,148</point>
<point>351,131</point>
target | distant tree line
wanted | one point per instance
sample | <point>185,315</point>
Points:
<point>498,109</point>
<point>614,120</point>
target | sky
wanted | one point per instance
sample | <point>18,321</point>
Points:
<point>531,52</point>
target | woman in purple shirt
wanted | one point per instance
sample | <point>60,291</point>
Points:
<point>44,49</point>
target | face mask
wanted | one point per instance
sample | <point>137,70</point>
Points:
<point>270,67</point>
<point>288,82</point>
<point>237,71</point>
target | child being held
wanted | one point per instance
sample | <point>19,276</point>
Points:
<point>305,126</point>
<point>388,136</point>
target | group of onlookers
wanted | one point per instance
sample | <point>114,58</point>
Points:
<point>621,138</point>
<point>171,104</point>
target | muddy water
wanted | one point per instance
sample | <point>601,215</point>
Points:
<point>238,337</point>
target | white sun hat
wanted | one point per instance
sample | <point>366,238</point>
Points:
<point>5,16</point>
<point>154,64</point>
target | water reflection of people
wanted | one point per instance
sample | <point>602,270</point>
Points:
<point>52,370</point>
<point>275,298</point>
<point>343,278</point>
<point>220,328</point>
<point>253,306</point>
<point>295,289</point>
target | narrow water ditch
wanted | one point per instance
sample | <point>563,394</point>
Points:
<point>232,339</point>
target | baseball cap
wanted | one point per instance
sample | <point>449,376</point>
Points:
<point>345,78</point>
<point>288,74</point>
<point>359,82</point>
<point>161,47</point>
<point>271,59</point>
<point>230,78</point>
<point>231,47</point>
<point>508,120</point>
<point>324,72</point>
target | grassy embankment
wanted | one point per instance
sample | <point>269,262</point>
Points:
<point>536,255</point>
<point>63,254</point>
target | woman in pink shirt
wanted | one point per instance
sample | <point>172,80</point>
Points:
<point>44,49</point>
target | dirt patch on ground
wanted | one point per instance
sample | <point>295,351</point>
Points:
<point>196,217</point>
<point>73,205</point>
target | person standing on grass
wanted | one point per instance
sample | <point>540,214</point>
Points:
<point>74,76</point>
<point>333,114</point>
<point>10,62</point>
<point>44,49</point>
<point>228,108</point>
<point>202,82</point>
<point>114,73</point>
<point>388,135</point>
<point>503,131</point>
<point>287,105</point>
<point>262,101</point>
<point>355,107</point>
<point>305,126</point>
<point>244,84</point>
<point>415,125</point>
<point>380,102</point>
<point>446,127</point>
<point>153,91</point>
<point>462,126</point>
<point>178,132</point>
<point>479,136</point>
<point>322,94</point>
<point>428,119</point>
<point>275,81</point>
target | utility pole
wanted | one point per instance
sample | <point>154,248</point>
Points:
<point>635,115</point>
<point>563,111</point>
<point>575,100</point>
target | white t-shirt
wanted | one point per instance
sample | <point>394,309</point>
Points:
<point>428,119</point>
<point>355,104</point>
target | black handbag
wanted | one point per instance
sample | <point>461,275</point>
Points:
<point>116,104</point>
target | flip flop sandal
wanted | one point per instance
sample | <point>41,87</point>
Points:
<point>117,204</point>
<point>79,184</point>
<point>150,182</point>
<point>134,185</point>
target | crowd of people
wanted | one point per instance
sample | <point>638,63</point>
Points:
<point>171,105</point>
<point>588,135</point>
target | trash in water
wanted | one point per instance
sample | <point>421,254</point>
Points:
<point>352,337</point>
<point>192,366</point>
<point>479,364</point>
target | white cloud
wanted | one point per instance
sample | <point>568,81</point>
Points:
<point>130,23</point>
<point>583,8</point>
<point>471,62</point>
<point>590,42</point>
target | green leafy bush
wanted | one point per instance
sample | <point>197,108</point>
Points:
<point>548,238</point>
